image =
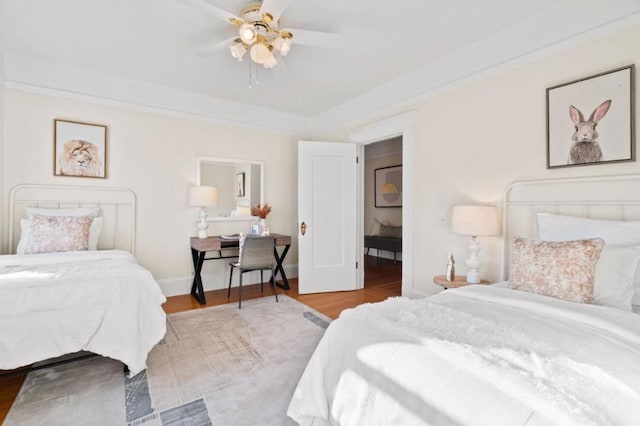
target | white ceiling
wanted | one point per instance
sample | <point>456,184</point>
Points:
<point>154,41</point>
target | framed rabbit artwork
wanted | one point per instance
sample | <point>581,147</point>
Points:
<point>591,120</point>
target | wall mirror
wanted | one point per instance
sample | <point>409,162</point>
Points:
<point>240,186</point>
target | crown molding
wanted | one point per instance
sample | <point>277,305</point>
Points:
<point>35,75</point>
<point>539,36</point>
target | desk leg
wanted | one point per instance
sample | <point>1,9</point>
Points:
<point>197,291</point>
<point>279,268</point>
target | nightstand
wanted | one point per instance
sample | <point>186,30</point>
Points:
<point>459,281</point>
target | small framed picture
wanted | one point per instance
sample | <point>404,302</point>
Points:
<point>79,149</point>
<point>591,120</point>
<point>388,186</point>
<point>240,185</point>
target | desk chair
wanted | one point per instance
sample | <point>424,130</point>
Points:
<point>256,254</point>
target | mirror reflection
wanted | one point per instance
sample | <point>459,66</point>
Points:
<point>240,185</point>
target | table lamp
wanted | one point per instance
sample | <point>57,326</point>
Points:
<point>203,196</point>
<point>474,221</point>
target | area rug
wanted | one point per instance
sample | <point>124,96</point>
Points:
<point>215,366</point>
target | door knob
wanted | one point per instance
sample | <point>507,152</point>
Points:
<point>303,228</point>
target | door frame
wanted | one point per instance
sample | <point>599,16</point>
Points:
<point>400,125</point>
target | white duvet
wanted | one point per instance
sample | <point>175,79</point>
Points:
<point>478,355</point>
<point>98,301</point>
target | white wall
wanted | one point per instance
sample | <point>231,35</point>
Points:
<point>153,154</point>
<point>473,141</point>
<point>3,224</point>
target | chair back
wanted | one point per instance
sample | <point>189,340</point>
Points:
<point>256,252</point>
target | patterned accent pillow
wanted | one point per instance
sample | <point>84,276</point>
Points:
<point>53,234</point>
<point>564,270</point>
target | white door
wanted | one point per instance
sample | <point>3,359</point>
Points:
<point>326,217</point>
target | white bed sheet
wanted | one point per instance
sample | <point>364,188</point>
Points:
<point>476,355</point>
<point>98,301</point>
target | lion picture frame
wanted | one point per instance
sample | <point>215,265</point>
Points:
<point>591,120</point>
<point>79,149</point>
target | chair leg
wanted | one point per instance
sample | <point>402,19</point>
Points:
<point>230,276</point>
<point>240,291</point>
<point>275,287</point>
<point>261,282</point>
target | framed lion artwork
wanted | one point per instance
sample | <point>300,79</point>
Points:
<point>80,149</point>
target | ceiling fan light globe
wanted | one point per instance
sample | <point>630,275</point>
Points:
<point>237,51</point>
<point>286,47</point>
<point>277,43</point>
<point>248,33</point>
<point>260,53</point>
<point>271,61</point>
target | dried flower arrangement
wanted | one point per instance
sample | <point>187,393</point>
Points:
<point>261,212</point>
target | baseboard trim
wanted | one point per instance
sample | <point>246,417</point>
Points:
<point>177,286</point>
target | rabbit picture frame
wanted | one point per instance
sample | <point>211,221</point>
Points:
<point>591,120</point>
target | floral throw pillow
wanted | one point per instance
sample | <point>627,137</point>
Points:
<point>53,234</point>
<point>564,270</point>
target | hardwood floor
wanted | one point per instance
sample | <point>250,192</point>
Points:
<point>382,279</point>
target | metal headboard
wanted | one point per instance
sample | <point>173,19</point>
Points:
<point>601,197</point>
<point>117,209</point>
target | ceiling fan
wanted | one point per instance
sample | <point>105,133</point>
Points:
<point>259,33</point>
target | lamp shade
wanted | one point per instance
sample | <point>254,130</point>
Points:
<point>200,196</point>
<point>389,188</point>
<point>475,220</point>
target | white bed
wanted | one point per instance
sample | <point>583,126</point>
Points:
<point>100,301</point>
<point>483,355</point>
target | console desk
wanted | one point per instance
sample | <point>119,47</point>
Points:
<point>201,246</point>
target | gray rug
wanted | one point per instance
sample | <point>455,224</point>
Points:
<point>216,366</point>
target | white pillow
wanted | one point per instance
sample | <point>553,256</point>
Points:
<point>553,227</point>
<point>615,271</point>
<point>25,230</point>
<point>80,211</point>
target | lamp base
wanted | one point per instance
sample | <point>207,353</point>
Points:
<point>473,276</point>
<point>473,262</point>
<point>203,225</point>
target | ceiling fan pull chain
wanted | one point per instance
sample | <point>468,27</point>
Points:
<point>250,82</point>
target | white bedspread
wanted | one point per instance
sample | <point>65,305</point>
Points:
<point>477,355</point>
<point>98,301</point>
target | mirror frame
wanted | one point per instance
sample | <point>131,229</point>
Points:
<point>203,158</point>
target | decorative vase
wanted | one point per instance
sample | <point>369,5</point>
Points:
<point>263,227</point>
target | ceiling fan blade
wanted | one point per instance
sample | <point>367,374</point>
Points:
<point>208,50</point>
<point>212,10</point>
<point>316,38</point>
<point>274,7</point>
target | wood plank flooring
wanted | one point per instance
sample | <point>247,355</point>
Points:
<point>382,279</point>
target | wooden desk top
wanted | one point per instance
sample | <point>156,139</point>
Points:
<point>214,243</point>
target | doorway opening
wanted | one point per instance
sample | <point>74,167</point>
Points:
<point>382,215</point>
